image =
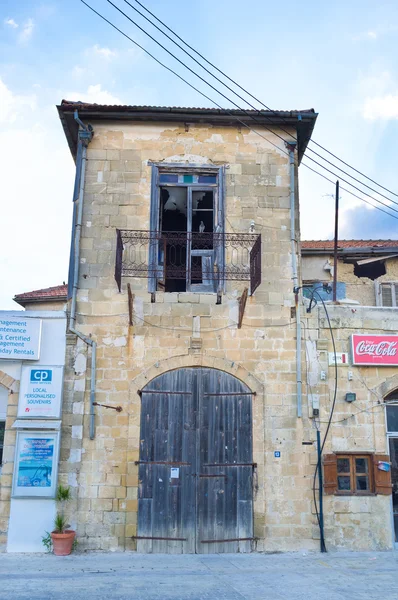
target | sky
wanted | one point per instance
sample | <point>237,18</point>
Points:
<point>339,58</point>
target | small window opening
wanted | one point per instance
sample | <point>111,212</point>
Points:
<point>371,270</point>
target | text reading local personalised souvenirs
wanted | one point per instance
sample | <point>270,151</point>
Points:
<point>20,338</point>
<point>40,392</point>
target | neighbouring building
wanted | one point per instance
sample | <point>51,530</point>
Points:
<point>367,270</point>
<point>198,370</point>
<point>52,298</point>
<point>32,358</point>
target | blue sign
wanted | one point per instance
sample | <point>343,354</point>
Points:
<point>41,375</point>
<point>36,462</point>
<point>277,454</point>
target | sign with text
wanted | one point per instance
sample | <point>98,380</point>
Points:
<point>20,338</point>
<point>377,350</point>
<point>35,466</point>
<point>40,392</point>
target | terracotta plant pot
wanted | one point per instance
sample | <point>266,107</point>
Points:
<point>63,542</point>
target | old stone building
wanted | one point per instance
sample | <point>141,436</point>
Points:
<point>203,354</point>
<point>195,339</point>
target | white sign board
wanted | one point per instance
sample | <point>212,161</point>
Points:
<point>36,464</point>
<point>20,338</point>
<point>40,392</point>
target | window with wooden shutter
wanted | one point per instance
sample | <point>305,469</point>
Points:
<point>330,473</point>
<point>382,478</point>
<point>356,474</point>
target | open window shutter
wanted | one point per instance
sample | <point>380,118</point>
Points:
<point>382,479</point>
<point>330,473</point>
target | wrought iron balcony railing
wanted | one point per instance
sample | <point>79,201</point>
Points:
<point>188,261</point>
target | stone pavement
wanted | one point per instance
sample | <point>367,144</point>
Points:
<point>113,576</point>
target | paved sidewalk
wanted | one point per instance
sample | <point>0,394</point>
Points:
<point>113,576</point>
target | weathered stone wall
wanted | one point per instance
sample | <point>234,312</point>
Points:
<point>351,522</point>
<point>46,305</point>
<point>261,353</point>
<point>361,289</point>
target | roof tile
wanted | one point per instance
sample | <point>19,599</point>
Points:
<point>329,244</point>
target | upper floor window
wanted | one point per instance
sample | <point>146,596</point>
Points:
<point>386,294</point>
<point>187,214</point>
<point>186,248</point>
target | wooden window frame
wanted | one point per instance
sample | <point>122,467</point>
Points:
<point>185,169</point>
<point>353,474</point>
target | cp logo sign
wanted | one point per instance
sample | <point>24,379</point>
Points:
<point>41,375</point>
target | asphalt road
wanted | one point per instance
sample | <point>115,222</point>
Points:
<point>113,576</point>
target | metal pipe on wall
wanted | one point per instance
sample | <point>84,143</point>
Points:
<point>291,146</point>
<point>85,135</point>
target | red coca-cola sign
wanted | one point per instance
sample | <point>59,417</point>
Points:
<point>374,349</point>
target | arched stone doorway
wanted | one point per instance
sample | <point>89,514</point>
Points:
<point>196,465</point>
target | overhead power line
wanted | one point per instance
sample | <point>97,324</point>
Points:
<point>260,113</point>
<point>242,109</point>
<point>248,93</point>
<point>218,105</point>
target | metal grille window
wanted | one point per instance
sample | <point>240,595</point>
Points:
<point>387,294</point>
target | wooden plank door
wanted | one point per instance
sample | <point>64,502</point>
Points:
<point>167,467</point>
<point>225,482</point>
<point>195,468</point>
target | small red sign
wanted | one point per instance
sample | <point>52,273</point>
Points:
<point>374,349</point>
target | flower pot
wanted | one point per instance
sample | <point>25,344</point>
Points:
<point>63,542</point>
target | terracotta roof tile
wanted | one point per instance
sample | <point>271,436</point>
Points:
<point>329,244</point>
<point>58,292</point>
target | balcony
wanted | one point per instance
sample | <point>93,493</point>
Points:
<point>179,261</point>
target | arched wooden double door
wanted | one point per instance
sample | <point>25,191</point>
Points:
<point>196,466</point>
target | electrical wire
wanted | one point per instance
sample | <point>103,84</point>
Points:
<point>260,113</point>
<point>248,93</point>
<point>218,105</point>
<point>318,465</point>
<point>233,324</point>
<point>376,405</point>
<point>242,109</point>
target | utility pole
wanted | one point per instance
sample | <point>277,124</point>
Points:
<point>336,237</point>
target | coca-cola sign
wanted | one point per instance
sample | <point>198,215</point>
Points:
<point>374,349</point>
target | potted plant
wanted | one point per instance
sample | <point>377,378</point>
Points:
<point>62,537</point>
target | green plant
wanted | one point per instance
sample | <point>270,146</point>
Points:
<point>47,542</point>
<point>60,523</point>
<point>63,494</point>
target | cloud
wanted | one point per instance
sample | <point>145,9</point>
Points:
<point>381,107</point>
<point>78,71</point>
<point>14,105</point>
<point>27,31</point>
<point>11,23</point>
<point>94,94</point>
<point>106,53</point>
<point>36,225</point>
<point>366,36</point>
<point>368,223</point>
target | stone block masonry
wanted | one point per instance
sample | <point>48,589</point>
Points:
<point>261,353</point>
